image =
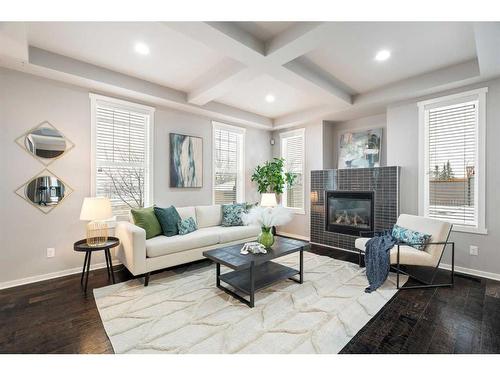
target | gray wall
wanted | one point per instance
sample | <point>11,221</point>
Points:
<point>25,101</point>
<point>322,139</point>
<point>402,139</point>
<point>314,160</point>
<point>333,130</point>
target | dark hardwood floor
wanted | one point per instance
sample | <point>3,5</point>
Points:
<point>54,316</point>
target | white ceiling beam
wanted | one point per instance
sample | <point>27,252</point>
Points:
<point>373,102</point>
<point>297,40</point>
<point>423,84</point>
<point>236,44</point>
<point>68,70</point>
<point>313,74</point>
<point>13,41</point>
<point>239,46</point>
<point>487,36</point>
<point>219,80</point>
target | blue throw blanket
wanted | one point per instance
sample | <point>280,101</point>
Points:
<point>377,259</point>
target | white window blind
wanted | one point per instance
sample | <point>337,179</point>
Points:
<point>453,159</point>
<point>292,150</point>
<point>227,164</point>
<point>122,155</point>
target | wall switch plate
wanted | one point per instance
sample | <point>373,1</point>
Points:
<point>474,250</point>
<point>51,252</point>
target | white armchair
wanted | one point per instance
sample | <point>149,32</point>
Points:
<point>430,256</point>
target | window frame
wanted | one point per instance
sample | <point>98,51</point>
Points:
<point>283,136</point>
<point>119,104</point>
<point>240,180</point>
<point>478,96</point>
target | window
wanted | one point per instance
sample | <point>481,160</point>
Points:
<point>228,164</point>
<point>452,164</point>
<point>122,153</point>
<point>292,150</point>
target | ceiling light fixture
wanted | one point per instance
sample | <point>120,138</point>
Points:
<point>383,55</point>
<point>141,48</point>
<point>270,98</point>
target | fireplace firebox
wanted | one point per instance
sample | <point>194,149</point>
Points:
<point>349,212</point>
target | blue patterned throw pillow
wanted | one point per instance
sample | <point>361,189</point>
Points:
<point>231,214</point>
<point>413,238</point>
<point>187,226</point>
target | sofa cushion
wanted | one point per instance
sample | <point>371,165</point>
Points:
<point>208,216</point>
<point>168,218</point>
<point>146,219</point>
<point>185,212</point>
<point>232,214</point>
<point>407,254</point>
<point>187,226</point>
<point>228,234</point>
<point>163,245</point>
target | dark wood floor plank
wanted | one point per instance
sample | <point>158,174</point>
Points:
<point>54,316</point>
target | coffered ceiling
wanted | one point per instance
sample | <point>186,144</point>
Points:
<point>226,70</point>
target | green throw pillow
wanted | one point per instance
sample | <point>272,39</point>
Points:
<point>187,226</point>
<point>168,218</point>
<point>231,214</point>
<point>413,238</point>
<point>146,219</point>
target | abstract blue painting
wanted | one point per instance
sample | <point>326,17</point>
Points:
<point>186,161</point>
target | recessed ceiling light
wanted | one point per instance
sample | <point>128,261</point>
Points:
<point>141,48</point>
<point>270,98</point>
<point>383,55</point>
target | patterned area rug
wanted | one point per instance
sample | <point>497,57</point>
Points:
<point>186,313</point>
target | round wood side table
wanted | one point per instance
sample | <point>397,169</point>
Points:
<point>82,246</point>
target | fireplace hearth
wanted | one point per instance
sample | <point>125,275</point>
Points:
<point>349,212</point>
<point>383,182</point>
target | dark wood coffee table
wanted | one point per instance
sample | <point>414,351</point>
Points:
<point>256,271</point>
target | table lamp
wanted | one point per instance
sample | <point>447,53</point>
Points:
<point>96,210</point>
<point>268,200</point>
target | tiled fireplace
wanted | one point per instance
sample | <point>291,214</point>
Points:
<point>345,202</point>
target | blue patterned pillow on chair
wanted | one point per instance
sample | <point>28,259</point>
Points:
<point>187,226</point>
<point>413,238</point>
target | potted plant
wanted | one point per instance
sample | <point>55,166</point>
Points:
<point>271,178</point>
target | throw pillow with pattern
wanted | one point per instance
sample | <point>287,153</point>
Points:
<point>413,238</point>
<point>231,214</point>
<point>187,226</point>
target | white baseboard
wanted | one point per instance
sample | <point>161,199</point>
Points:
<point>472,272</point>
<point>465,271</point>
<point>297,236</point>
<point>52,275</point>
<point>334,247</point>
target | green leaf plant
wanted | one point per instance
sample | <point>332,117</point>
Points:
<point>272,178</point>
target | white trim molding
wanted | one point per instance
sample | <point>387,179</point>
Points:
<point>52,275</point>
<point>292,134</point>
<point>240,182</point>
<point>478,96</point>
<point>293,235</point>
<point>119,104</point>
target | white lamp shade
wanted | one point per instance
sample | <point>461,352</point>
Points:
<point>96,208</point>
<point>268,200</point>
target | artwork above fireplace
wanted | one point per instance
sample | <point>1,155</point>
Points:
<point>349,212</point>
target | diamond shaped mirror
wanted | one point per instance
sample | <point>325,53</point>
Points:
<point>45,143</point>
<point>44,191</point>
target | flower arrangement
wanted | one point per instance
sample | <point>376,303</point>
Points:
<point>267,217</point>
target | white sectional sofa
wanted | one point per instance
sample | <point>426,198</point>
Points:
<point>142,256</point>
